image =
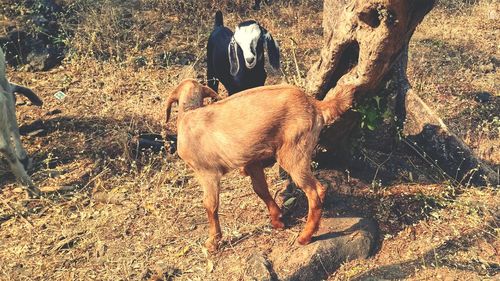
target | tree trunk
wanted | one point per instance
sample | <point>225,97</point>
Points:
<point>365,44</point>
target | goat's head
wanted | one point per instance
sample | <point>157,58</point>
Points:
<point>249,35</point>
<point>189,95</point>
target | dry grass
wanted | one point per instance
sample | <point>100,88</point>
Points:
<point>134,216</point>
<point>454,56</point>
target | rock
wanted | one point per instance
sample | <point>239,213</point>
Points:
<point>483,97</point>
<point>338,240</point>
<point>38,50</point>
<point>258,268</point>
<point>43,57</point>
<point>23,49</point>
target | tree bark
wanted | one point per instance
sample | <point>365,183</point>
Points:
<point>365,44</point>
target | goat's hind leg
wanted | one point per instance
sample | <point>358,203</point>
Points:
<point>302,175</point>
<point>259,184</point>
<point>210,181</point>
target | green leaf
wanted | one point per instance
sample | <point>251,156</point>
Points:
<point>288,203</point>
<point>371,116</point>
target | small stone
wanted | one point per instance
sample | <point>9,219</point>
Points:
<point>258,268</point>
<point>483,97</point>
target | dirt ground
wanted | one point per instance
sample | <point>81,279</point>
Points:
<point>139,216</point>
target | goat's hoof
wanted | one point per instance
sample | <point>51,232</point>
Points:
<point>277,224</point>
<point>212,245</point>
<point>304,240</point>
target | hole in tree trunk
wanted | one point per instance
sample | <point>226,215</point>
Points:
<point>370,17</point>
<point>348,60</point>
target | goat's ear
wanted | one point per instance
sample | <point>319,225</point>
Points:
<point>171,99</point>
<point>207,92</point>
<point>273,50</point>
<point>232,51</point>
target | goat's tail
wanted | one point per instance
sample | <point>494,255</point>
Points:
<point>332,108</point>
<point>188,87</point>
<point>170,101</point>
<point>218,19</point>
<point>27,92</point>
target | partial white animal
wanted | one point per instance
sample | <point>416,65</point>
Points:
<point>10,142</point>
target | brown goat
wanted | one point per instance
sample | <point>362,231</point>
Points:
<point>252,129</point>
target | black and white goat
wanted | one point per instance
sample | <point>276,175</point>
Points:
<point>237,60</point>
<point>10,142</point>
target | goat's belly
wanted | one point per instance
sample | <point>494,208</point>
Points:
<point>251,155</point>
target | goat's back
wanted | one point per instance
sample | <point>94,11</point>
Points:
<point>249,126</point>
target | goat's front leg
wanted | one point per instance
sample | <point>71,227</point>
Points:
<point>210,183</point>
<point>14,132</point>
<point>16,166</point>
<point>259,184</point>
